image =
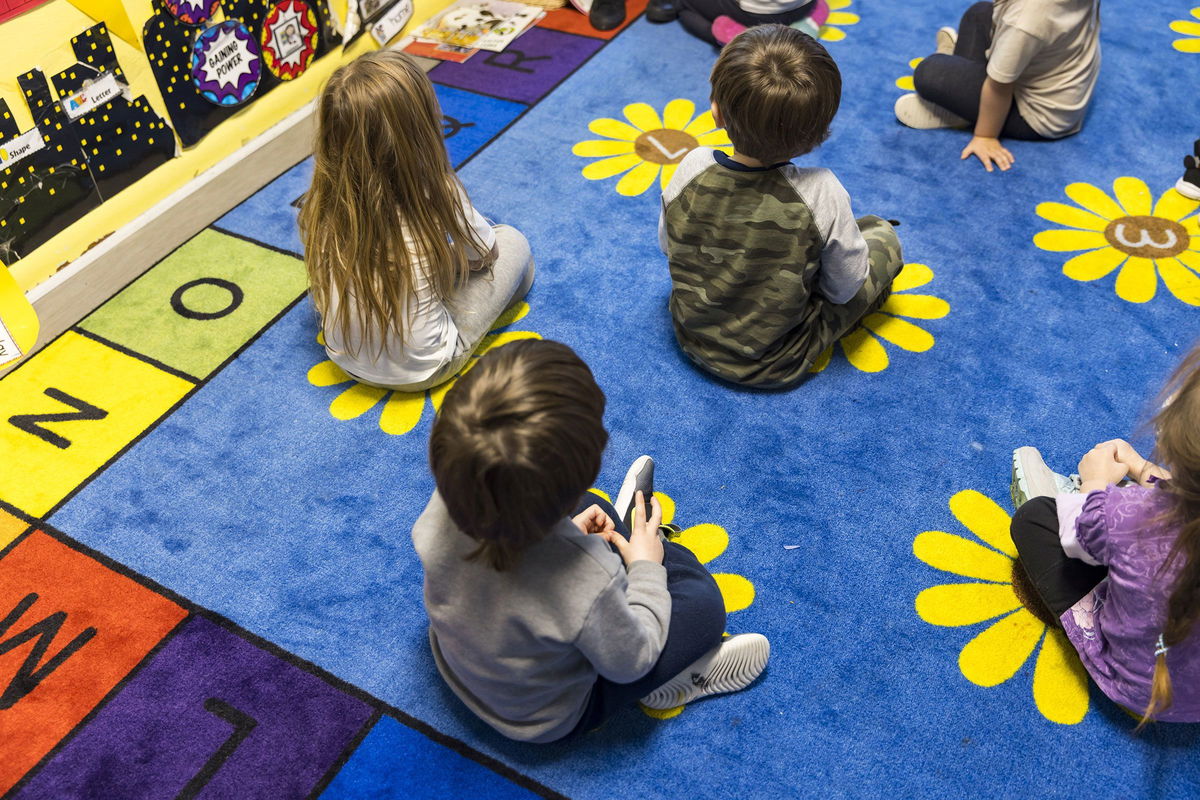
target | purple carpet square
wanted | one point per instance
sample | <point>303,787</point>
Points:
<point>211,716</point>
<point>526,71</point>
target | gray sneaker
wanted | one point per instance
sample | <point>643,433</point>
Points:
<point>639,477</point>
<point>729,667</point>
<point>1032,478</point>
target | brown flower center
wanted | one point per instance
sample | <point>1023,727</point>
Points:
<point>664,146</point>
<point>1148,237</point>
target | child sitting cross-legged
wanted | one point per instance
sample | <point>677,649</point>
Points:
<point>768,265</point>
<point>1113,554</point>
<point>549,609</point>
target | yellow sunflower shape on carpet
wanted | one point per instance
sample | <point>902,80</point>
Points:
<point>839,17</point>
<point>862,347</point>
<point>1190,29</point>
<point>403,410</point>
<point>996,653</point>
<point>706,541</point>
<point>905,82</point>
<point>1130,230</point>
<point>648,146</point>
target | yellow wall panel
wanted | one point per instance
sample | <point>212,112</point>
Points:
<point>41,38</point>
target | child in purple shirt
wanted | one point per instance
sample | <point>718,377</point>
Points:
<point>1117,562</point>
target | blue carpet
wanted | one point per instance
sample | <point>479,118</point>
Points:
<point>254,501</point>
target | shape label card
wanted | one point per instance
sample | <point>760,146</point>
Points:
<point>211,715</point>
<point>28,143</point>
<point>67,411</point>
<point>202,303</point>
<point>70,630</point>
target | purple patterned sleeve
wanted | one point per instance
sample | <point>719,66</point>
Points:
<point>1091,529</point>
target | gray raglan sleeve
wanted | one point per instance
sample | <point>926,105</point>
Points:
<point>626,628</point>
<point>692,165</point>
<point>844,258</point>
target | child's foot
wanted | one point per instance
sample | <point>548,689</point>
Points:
<point>916,112</point>
<point>1032,478</point>
<point>606,14</point>
<point>639,478</point>
<point>1189,184</point>
<point>729,667</point>
<point>725,28</point>
<point>662,10</point>
<point>947,38</point>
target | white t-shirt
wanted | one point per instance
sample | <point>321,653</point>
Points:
<point>430,335</point>
<point>1050,50</point>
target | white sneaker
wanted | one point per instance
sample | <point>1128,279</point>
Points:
<point>947,38</point>
<point>916,112</point>
<point>1032,478</point>
<point>729,667</point>
<point>639,477</point>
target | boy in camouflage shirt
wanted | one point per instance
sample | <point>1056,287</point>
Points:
<point>768,265</point>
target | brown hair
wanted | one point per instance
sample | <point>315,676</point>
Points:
<point>517,442</point>
<point>1177,426</point>
<point>384,201</point>
<point>777,91</point>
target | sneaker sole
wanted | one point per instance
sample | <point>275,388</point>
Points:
<point>630,485</point>
<point>915,114</point>
<point>741,660</point>
<point>1188,190</point>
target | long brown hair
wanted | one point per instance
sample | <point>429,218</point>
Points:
<point>517,442</point>
<point>1177,426</point>
<point>384,200</point>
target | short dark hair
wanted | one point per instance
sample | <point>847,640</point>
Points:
<point>517,442</point>
<point>777,90</point>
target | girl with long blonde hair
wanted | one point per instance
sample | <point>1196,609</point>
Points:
<point>1114,554</point>
<point>407,276</point>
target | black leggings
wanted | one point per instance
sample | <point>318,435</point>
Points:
<point>697,624</point>
<point>697,16</point>
<point>954,82</point>
<point>1060,581</point>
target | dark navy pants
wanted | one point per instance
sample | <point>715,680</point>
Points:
<point>697,623</point>
<point>954,82</point>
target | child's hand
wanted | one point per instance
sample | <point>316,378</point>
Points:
<point>643,544</point>
<point>988,150</point>
<point>1140,468</point>
<point>594,520</point>
<point>1102,466</point>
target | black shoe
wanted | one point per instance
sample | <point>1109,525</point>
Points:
<point>607,14</point>
<point>1189,184</point>
<point>639,478</point>
<point>662,10</point>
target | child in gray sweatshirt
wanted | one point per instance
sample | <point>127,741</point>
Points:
<point>550,609</point>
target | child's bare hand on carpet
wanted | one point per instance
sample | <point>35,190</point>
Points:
<point>643,544</point>
<point>594,520</point>
<point>988,150</point>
